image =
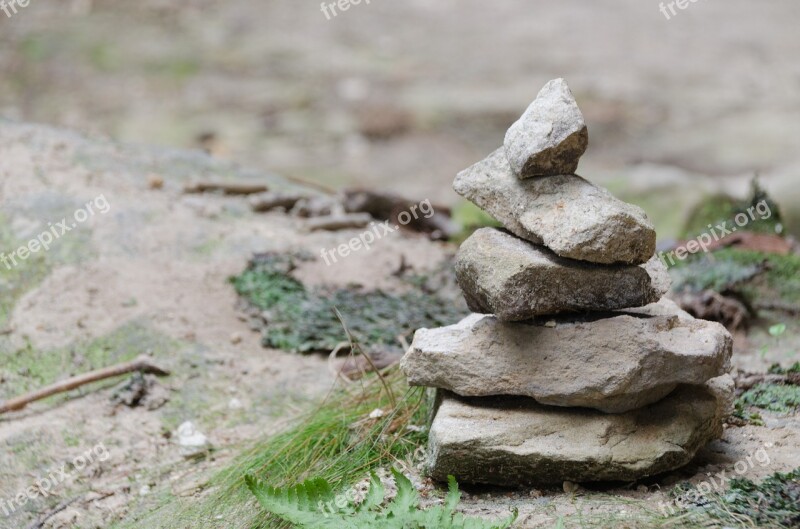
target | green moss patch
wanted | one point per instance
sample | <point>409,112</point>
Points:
<point>776,369</point>
<point>755,276</point>
<point>300,319</point>
<point>775,502</point>
<point>469,218</point>
<point>721,208</point>
<point>15,281</point>
<point>779,398</point>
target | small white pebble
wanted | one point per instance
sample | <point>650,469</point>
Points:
<point>376,414</point>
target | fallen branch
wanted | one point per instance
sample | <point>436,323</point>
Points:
<point>778,306</point>
<point>228,188</point>
<point>141,364</point>
<point>748,381</point>
<point>263,202</point>
<point>339,222</point>
<point>435,221</point>
<point>38,524</point>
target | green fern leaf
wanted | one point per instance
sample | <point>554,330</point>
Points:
<point>453,495</point>
<point>406,500</point>
<point>312,505</point>
<point>375,494</point>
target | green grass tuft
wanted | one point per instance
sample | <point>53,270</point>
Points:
<point>337,442</point>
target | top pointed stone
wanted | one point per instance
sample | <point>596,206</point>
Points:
<point>550,137</point>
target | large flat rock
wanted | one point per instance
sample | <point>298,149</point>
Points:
<point>569,215</point>
<point>516,280</point>
<point>614,364</point>
<point>510,441</point>
<point>550,137</point>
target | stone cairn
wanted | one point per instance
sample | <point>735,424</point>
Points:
<point>572,367</point>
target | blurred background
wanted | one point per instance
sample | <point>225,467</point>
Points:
<point>402,95</point>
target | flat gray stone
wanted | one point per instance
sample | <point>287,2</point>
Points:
<point>550,137</point>
<point>613,364</point>
<point>516,280</point>
<point>510,441</point>
<point>569,215</point>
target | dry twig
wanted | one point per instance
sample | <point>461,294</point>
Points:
<point>228,188</point>
<point>141,364</point>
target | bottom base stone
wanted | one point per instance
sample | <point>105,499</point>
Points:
<point>511,441</point>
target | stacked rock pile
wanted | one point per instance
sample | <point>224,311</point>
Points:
<point>573,367</point>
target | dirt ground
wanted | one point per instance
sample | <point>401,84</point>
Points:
<point>159,260</point>
<point>396,96</point>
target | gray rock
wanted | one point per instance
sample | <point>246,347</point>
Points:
<point>513,440</point>
<point>550,137</point>
<point>569,215</point>
<point>516,280</point>
<point>614,364</point>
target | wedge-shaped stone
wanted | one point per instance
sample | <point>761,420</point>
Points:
<point>510,441</point>
<point>550,137</point>
<point>613,364</point>
<point>569,215</point>
<point>516,280</point>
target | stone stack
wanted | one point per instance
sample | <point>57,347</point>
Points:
<point>573,367</point>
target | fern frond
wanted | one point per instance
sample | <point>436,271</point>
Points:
<point>406,500</point>
<point>312,505</point>
<point>375,494</point>
<point>453,495</point>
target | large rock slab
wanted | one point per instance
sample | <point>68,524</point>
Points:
<point>516,280</point>
<point>569,215</point>
<point>550,137</point>
<point>613,364</point>
<point>510,441</point>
